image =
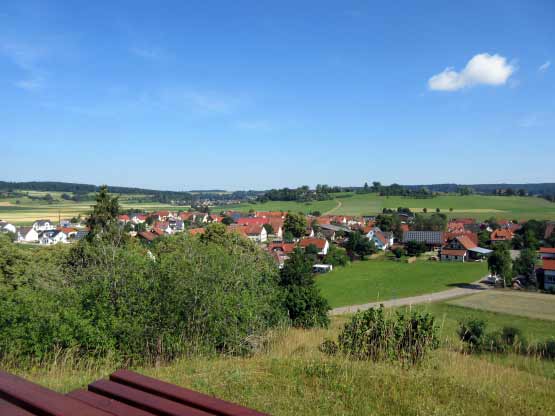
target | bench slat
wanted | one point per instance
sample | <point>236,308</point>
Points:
<point>181,395</point>
<point>144,401</point>
<point>9,409</point>
<point>107,404</point>
<point>41,401</point>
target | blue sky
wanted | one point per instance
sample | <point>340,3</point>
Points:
<point>258,94</point>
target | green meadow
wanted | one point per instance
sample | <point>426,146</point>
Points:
<point>376,280</point>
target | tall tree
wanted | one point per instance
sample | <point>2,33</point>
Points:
<point>295,224</point>
<point>104,216</point>
<point>500,264</point>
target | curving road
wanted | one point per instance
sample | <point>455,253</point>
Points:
<point>414,300</point>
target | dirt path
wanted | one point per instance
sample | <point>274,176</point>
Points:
<point>414,300</point>
<point>339,205</point>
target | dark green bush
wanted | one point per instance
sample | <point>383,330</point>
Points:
<point>471,332</point>
<point>370,335</point>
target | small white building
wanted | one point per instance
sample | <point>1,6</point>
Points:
<point>51,237</point>
<point>6,227</point>
<point>381,240</point>
<point>27,235</point>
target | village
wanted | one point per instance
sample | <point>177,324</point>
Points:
<point>459,241</point>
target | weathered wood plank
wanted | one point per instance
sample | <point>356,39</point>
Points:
<point>107,404</point>
<point>143,400</point>
<point>10,409</point>
<point>181,395</point>
<point>41,401</point>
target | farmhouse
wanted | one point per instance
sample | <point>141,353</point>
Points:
<point>433,239</point>
<point>462,248</point>
<point>549,274</point>
<point>320,243</point>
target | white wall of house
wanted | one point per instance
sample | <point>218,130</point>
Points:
<point>32,236</point>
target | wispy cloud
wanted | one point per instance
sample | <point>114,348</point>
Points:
<point>482,69</point>
<point>545,66</point>
<point>26,57</point>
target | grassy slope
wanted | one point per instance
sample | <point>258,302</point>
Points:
<point>292,377</point>
<point>375,280</point>
<point>476,206</point>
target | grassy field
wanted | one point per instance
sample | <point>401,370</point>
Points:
<point>290,376</point>
<point>24,210</point>
<point>376,280</point>
<point>532,305</point>
<point>475,206</point>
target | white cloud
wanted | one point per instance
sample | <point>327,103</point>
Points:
<point>482,69</point>
<point>543,67</point>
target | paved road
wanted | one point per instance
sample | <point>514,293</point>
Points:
<point>414,300</point>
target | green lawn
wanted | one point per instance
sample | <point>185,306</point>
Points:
<point>375,280</point>
<point>305,207</point>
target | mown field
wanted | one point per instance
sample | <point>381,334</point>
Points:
<point>290,376</point>
<point>22,211</point>
<point>376,280</point>
<point>475,206</point>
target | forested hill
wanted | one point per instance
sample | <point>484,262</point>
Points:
<point>530,188</point>
<point>80,188</point>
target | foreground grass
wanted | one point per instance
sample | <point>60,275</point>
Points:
<point>376,280</point>
<point>291,377</point>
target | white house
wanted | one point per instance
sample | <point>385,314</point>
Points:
<point>51,237</point>
<point>6,227</point>
<point>27,235</point>
<point>382,240</point>
<point>320,243</point>
<point>43,225</point>
<point>256,233</point>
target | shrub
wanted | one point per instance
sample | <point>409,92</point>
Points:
<point>336,256</point>
<point>471,332</point>
<point>370,335</point>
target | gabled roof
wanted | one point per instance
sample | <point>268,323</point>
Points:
<point>253,229</point>
<point>252,221</point>
<point>466,242</point>
<point>320,243</point>
<point>501,235</point>
<point>381,236</point>
<point>284,247</point>
<point>147,235</point>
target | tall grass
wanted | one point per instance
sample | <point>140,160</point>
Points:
<point>290,376</point>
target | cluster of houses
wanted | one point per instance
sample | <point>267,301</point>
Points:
<point>459,243</point>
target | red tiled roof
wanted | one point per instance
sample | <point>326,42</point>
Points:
<point>67,230</point>
<point>253,229</point>
<point>147,235</point>
<point>285,247</point>
<point>547,250</point>
<point>405,228</point>
<point>466,242</point>
<point>381,237</point>
<point>270,214</point>
<point>501,235</point>
<point>252,221</point>
<point>157,231</point>
<point>548,265</point>
<point>323,220</point>
<point>123,217</point>
<point>320,243</point>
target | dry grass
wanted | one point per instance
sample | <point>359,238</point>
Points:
<point>531,305</point>
<point>291,377</point>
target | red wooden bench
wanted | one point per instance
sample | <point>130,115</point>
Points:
<point>125,394</point>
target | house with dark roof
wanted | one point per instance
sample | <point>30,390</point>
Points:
<point>43,225</point>
<point>433,239</point>
<point>51,237</point>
